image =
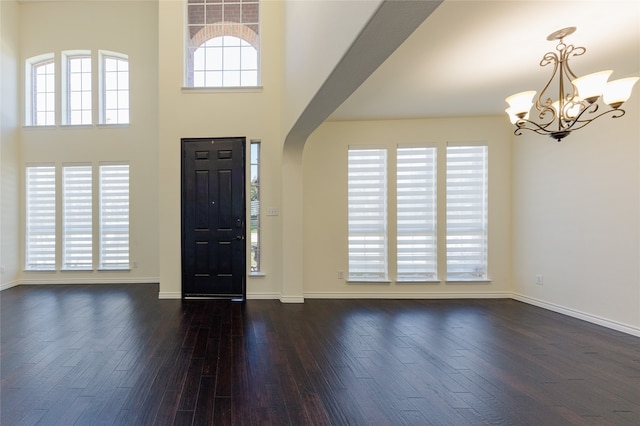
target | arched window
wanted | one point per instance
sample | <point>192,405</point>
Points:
<point>222,43</point>
<point>225,61</point>
<point>40,91</point>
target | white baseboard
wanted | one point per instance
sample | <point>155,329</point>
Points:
<point>414,295</point>
<point>263,296</point>
<point>100,280</point>
<point>170,295</point>
<point>291,299</point>
<point>625,328</point>
<point>9,285</point>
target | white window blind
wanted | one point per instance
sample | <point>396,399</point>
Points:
<point>114,216</point>
<point>467,212</point>
<point>416,210</point>
<point>77,217</point>
<point>41,218</point>
<point>367,204</point>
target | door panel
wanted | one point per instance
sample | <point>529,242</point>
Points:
<point>213,217</point>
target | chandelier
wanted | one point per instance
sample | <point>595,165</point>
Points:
<point>585,100</point>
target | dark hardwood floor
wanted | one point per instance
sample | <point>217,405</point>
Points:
<point>117,355</point>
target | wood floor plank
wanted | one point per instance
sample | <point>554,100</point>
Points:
<point>117,355</point>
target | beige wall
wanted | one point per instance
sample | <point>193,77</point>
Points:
<point>325,203</point>
<point>125,27</point>
<point>210,113</point>
<point>9,154</point>
<point>317,35</point>
<point>576,208</point>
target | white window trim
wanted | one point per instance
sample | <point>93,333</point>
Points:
<point>29,264</point>
<point>65,57</point>
<point>485,274</point>
<point>102,265</point>
<point>66,265</point>
<point>382,275</point>
<point>433,177</point>
<point>30,63</point>
<point>186,88</point>
<point>102,55</point>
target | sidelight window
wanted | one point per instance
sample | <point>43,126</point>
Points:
<point>255,207</point>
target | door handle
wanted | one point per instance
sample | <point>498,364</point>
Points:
<point>239,237</point>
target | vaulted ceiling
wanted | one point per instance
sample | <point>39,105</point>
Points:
<point>467,56</point>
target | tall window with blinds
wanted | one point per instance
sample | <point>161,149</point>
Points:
<point>77,217</point>
<point>416,214</point>
<point>467,187</point>
<point>367,205</point>
<point>114,216</point>
<point>41,218</point>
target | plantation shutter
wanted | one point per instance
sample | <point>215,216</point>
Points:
<point>416,209</point>
<point>77,217</point>
<point>41,218</point>
<point>467,212</point>
<point>367,199</point>
<point>114,216</point>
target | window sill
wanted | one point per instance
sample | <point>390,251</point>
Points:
<point>257,275</point>
<point>112,125</point>
<point>35,127</point>
<point>368,282</point>
<point>471,281</point>
<point>418,282</point>
<point>76,126</point>
<point>240,89</point>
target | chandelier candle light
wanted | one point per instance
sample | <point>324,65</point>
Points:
<point>576,108</point>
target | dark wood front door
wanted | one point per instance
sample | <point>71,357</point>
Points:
<point>213,217</point>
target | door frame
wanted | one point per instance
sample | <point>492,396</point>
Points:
<point>243,141</point>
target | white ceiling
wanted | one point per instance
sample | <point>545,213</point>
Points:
<point>468,56</point>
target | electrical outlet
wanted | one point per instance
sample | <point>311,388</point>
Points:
<point>273,211</point>
<point>1,269</point>
<point>340,275</point>
<point>134,264</point>
<point>539,279</point>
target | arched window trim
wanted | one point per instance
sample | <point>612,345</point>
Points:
<point>30,104</point>
<point>209,72</point>
<point>103,56</point>
<point>202,29</point>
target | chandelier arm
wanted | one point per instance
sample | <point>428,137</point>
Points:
<point>573,51</point>
<point>543,107</point>
<point>579,124</point>
<point>533,126</point>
